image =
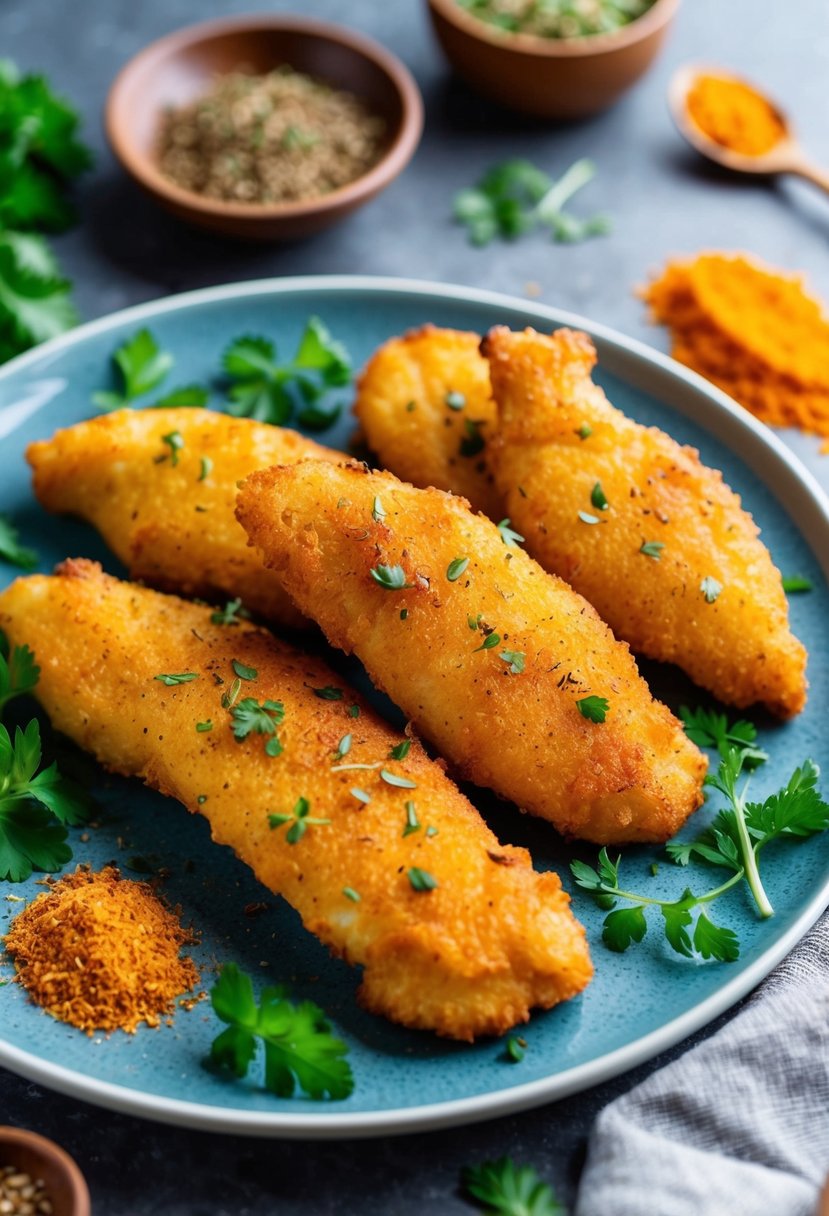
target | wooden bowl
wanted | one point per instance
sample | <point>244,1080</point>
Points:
<point>177,69</point>
<point>550,77</point>
<point>43,1159</point>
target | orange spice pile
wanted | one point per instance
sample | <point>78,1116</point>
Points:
<point>101,952</point>
<point>751,330</point>
<point>734,115</point>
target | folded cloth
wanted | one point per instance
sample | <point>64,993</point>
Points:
<point>739,1125</point>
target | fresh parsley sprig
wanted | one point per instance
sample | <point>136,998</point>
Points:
<point>19,673</point>
<point>299,1048</point>
<point>708,728</point>
<point>263,388</point>
<point>503,1188</point>
<point>140,365</point>
<point>514,197</point>
<point>249,717</point>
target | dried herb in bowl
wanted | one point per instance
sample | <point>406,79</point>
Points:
<point>557,18</point>
<point>278,138</point>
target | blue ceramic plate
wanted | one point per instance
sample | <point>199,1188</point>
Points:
<point>640,1002</point>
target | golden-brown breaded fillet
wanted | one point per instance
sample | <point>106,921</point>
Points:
<point>470,957</point>
<point>166,512</point>
<point>489,659</point>
<point>703,592</point>
<point>426,409</point>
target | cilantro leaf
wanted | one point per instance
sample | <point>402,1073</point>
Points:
<point>249,717</point>
<point>708,728</point>
<point>796,810</point>
<point>593,708</point>
<point>506,1189</point>
<point>141,365</point>
<point>299,1048</point>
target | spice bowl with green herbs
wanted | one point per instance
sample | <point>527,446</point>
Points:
<point>554,59</point>
<point>264,127</point>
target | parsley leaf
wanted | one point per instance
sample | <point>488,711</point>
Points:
<point>251,718</point>
<point>231,614</point>
<point>13,552</point>
<point>506,1189</point>
<point>390,578</point>
<point>188,396</point>
<point>593,708</point>
<point>270,391</point>
<point>514,197</point>
<point>708,728</point>
<point>243,672</point>
<point>35,807</point>
<point>401,750</point>
<point>141,365</point>
<point>34,297</point>
<point>19,673</point>
<point>299,1048</point>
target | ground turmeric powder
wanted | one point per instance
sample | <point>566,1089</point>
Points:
<point>751,330</point>
<point>101,952</point>
<point>732,114</point>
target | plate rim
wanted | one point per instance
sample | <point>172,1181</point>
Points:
<point>503,1101</point>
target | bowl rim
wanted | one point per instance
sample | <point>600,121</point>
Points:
<point>48,1150</point>
<point>654,19</point>
<point>142,169</point>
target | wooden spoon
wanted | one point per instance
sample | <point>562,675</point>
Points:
<point>787,156</point>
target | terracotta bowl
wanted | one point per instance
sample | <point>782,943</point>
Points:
<point>177,69</point>
<point>43,1159</point>
<point>550,77</point>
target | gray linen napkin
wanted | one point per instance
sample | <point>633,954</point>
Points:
<point>738,1125</point>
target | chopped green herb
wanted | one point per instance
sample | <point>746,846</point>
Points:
<point>707,728</point>
<point>489,642</point>
<point>516,1048</point>
<point>175,442</point>
<point>794,584</point>
<point>264,389</point>
<point>205,467</point>
<point>456,568</point>
<point>299,819</point>
<point>202,727</point>
<point>351,894</point>
<point>229,698</point>
<point>141,365</point>
<point>593,708</point>
<point>328,693</point>
<point>431,831</point>
<point>10,550</point>
<point>473,442</point>
<point>183,677</point>
<point>652,549</point>
<point>508,535</point>
<point>377,512</point>
<point>401,750</point>
<point>474,622</point>
<point>584,431</point>
<point>412,824</point>
<point>506,1189</point>
<point>402,783</point>
<point>231,614</point>
<point>202,798</point>
<point>597,497</point>
<point>243,672</point>
<point>404,613</point>
<point>249,717</point>
<point>710,589</point>
<point>514,197</point>
<point>300,1049</point>
<point>390,578</point>
<point>359,794</point>
<point>354,711</point>
<point>515,659</point>
<point>455,401</point>
<point>411,406</point>
<point>343,747</point>
<point>421,880</point>
<point>587,518</point>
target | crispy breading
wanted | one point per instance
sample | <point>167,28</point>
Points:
<point>708,597</point>
<point>164,513</point>
<point>404,403</point>
<point>468,958</point>
<point>635,777</point>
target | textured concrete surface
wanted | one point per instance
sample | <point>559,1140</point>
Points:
<point>662,201</point>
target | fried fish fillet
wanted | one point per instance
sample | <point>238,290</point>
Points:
<point>673,562</point>
<point>495,661</point>
<point>466,950</point>
<point>160,487</point>
<point>425,405</point>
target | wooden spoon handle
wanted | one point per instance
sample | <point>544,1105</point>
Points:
<point>812,173</point>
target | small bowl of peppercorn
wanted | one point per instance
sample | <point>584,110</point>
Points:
<point>37,1178</point>
<point>263,127</point>
<point>562,59</point>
